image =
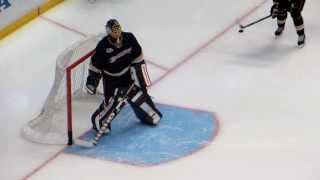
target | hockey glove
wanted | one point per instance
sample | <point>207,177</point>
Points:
<point>92,83</point>
<point>274,11</point>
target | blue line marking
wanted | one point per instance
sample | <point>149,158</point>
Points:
<point>180,132</point>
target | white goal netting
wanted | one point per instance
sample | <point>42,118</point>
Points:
<point>50,126</point>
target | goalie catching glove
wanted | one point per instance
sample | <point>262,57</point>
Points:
<point>92,82</point>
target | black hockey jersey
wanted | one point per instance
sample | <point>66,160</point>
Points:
<point>115,61</point>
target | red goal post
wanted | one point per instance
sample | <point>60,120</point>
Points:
<point>69,93</point>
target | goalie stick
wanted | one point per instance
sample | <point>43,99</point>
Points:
<point>104,128</point>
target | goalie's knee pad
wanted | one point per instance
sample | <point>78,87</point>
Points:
<point>145,109</point>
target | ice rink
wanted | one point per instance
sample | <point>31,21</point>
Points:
<point>265,92</point>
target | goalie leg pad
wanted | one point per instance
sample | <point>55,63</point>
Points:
<point>100,115</point>
<point>144,108</point>
<point>105,109</point>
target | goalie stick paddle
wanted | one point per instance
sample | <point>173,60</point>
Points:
<point>104,128</point>
<point>242,27</point>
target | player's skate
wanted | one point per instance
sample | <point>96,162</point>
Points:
<point>301,40</point>
<point>279,31</point>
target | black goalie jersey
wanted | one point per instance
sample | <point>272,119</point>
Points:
<point>113,61</point>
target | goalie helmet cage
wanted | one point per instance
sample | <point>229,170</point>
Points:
<point>54,124</point>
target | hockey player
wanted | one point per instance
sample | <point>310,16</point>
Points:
<point>279,10</point>
<point>118,60</point>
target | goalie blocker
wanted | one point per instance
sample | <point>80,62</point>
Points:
<point>118,60</point>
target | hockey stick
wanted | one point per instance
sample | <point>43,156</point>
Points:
<point>104,128</point>
<point>252,23</point>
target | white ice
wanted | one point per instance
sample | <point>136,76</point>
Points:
<point>264,91</point>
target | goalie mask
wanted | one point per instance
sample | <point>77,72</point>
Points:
<point>113,29</point>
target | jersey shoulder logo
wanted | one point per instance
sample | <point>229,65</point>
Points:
<point>109,50</point>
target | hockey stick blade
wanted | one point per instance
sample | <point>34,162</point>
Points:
<point>240,28</point>
<point>83,143</point>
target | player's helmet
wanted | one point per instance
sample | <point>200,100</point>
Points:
<point>113,26</point>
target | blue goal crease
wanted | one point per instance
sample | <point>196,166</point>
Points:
<point>180,132</point>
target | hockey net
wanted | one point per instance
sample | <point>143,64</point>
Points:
<point>56,122</point>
